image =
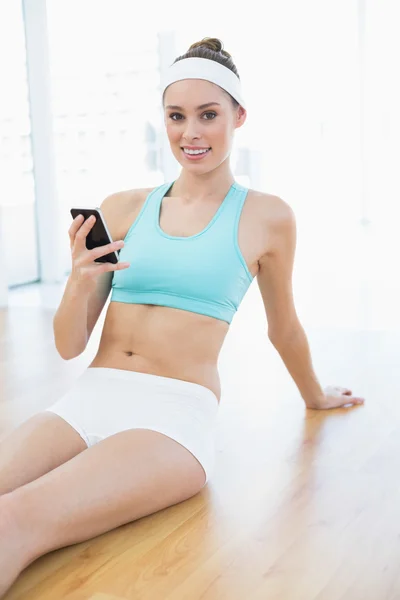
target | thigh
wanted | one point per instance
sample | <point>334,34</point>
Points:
<point>35,447</point>
<point>120,479</point>
<point>106,401</point>
<point>124,477</point>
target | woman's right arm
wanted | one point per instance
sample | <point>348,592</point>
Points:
<point>70,321</point>
<point>89,282</point>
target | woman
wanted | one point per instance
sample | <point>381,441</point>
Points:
<point>145,408</point>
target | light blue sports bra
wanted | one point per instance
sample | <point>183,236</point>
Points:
<point>204,273</point>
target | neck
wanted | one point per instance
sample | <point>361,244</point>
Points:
<point>198,188</point>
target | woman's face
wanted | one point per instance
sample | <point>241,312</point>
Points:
<point>198,113</point>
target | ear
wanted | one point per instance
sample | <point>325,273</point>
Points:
<point>240,117</point>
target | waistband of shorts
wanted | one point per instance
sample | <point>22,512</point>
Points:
<point>177,385</point>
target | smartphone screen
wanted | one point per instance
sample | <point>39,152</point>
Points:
<point>98,234</point>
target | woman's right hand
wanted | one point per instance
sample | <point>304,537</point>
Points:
<point>84,270</point>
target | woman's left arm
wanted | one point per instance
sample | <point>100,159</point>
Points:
<point>284,328</point>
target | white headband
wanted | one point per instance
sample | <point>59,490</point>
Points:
<point>204,68</point>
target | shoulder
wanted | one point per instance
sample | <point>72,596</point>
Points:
<point>270,208</point>
<point>121,208</point>
<point>274,219</point>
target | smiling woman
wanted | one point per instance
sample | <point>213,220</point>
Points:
<point>208,70</point>
<point>135,433</point>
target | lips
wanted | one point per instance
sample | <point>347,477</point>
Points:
<point>194,148</point>
<point>194,157</point>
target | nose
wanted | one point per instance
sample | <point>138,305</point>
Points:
<point>190,130</point>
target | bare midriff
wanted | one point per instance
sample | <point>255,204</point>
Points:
<point>162,341</point>
<point>171,342</point>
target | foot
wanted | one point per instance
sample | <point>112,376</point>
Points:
<point>12,555</point>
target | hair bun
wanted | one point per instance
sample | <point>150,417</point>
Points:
<point>211,49</point>
<point>213,44</point>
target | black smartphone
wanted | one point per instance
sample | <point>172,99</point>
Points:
<point>98,235</point>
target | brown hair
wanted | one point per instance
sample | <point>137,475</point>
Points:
<point>212,48</point>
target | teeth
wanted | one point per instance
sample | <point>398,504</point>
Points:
<point>195,151</point>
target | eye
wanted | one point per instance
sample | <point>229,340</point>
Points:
<point>206,113</point>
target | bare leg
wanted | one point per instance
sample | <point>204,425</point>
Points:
<point>37,446</point>
<point>120,479</point>
<point>12,557</point>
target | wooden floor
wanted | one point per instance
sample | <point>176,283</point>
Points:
<point>303,505</point>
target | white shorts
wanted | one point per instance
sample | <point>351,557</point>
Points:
<point>104,401</point>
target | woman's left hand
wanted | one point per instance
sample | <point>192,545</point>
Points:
<point>336,397</point>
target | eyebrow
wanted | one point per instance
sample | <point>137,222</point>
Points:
<point>175,107</point>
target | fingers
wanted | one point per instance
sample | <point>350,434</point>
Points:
<point>358,400</point>
<point>116,266</point>
<point>106,249</point>
<point>343,395</point>
<point>76,223</point>
<point>343,390</point>
<point>83,230</point>
<point>353,400</point>
<point>78,232</point>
